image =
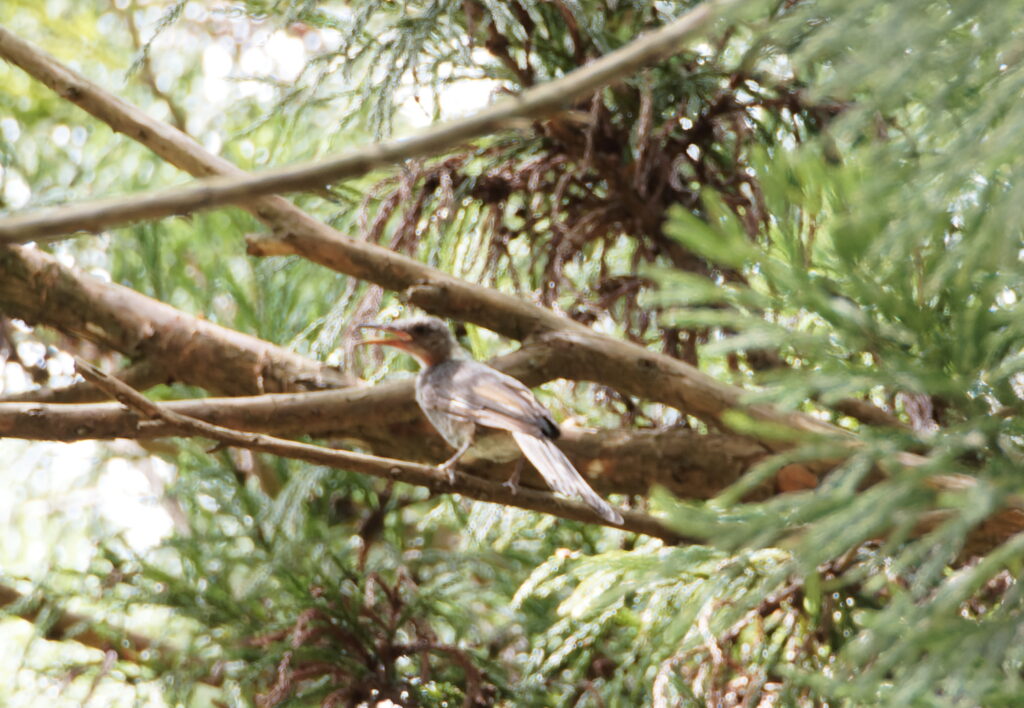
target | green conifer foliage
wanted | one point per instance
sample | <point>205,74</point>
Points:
<point>816,202</point>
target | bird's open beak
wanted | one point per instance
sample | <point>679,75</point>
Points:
<point>400,339</point>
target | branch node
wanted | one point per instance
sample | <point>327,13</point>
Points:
<point>272,244</point>
<point>425,294</point>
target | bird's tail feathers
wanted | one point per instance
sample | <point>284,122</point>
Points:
<point>560,474</point>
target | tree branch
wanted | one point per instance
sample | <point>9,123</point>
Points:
<point>868,413</point>
<point>397,470</point>
<point>36,288</point>
<point>386,419</point>
<point>533,103</point>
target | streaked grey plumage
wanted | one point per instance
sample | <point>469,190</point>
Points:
<point>457,394</point>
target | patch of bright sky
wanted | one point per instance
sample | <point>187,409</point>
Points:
<point>282,56</point>
<point>457,97</point>
<point>16,192</point>
<point>60,494</point>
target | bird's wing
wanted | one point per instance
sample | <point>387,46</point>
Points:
<point>561,476</point>
<point>473,391</point>
<point>496,400</point>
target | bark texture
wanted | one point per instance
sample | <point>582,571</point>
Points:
<point>35,288</point>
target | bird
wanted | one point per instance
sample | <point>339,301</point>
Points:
<point>458,394</point>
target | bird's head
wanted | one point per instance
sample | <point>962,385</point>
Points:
<point>426,338</point>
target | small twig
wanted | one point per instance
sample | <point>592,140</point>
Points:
<point>474,679</point>
<point>869,413</point>
<point>146,66</point>
<point>386,468</point>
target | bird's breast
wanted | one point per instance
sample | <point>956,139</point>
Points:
<point>433,394</point>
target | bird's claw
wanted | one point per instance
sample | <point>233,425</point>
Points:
<point>512,483</point>
<point>449,471</point>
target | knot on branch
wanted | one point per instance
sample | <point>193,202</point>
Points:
<point>272,244</point>
<point>427,295</point>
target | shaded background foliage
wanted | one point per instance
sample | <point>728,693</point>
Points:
<point>818,202</point>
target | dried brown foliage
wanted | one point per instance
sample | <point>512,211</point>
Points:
<point>355,666</point>
<point>592,187</point>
